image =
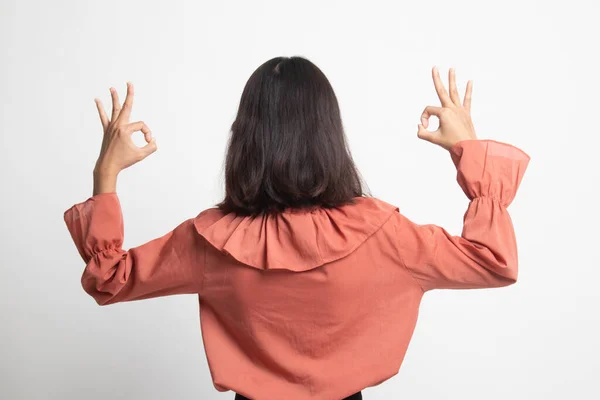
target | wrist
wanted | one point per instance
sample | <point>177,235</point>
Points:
<point>105,181</point>
<point>104,171</point>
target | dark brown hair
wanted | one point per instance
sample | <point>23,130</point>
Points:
<point>287,148</point>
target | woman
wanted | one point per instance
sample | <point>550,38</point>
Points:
<point>308,288</point>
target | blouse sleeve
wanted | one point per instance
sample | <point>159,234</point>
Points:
<point>485,255</point>
<point>168,265</point>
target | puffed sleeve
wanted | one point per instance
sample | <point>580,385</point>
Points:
<point>485,255</point>
<point>168,265</point>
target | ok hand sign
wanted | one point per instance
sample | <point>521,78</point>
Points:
<point>118,150</point>
<point>455,118</point>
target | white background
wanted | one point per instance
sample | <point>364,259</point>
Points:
<point>535,68</point>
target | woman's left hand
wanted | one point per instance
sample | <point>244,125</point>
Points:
<point>118,150</point>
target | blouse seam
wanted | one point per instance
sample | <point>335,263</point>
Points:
<point>461,143</point>
<point>202,278</point>
<point>404,262</point>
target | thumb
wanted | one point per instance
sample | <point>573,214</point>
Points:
<point>429,136</point>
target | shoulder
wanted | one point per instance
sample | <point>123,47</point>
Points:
<point>379,202</point>
<point>207,218</point>
<point>375,204</point>
<point>394,219</point>
<point>366,213</point>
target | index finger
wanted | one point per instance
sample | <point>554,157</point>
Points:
<point>468,94</point>
<point>102,113</point>
<point>439,88</point>
<point>126,110</point>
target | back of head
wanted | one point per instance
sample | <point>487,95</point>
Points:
<point>287,148</point>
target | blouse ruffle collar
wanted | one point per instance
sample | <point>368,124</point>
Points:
<point>293,240</point>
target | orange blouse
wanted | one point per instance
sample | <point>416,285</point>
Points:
<point>313,304</point>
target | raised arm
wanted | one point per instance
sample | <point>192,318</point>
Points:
<point>489,172</point>
<point>170,264</point>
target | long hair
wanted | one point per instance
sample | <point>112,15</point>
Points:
<point>287,148</point>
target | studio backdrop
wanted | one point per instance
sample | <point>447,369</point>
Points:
<point>534,68</point>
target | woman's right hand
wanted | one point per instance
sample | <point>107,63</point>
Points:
<point>455,118</point>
